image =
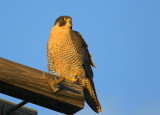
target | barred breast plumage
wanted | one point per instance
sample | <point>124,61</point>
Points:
<point>66,51</point>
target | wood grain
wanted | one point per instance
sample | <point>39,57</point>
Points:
<point>30,84</point>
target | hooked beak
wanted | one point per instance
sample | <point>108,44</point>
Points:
<point>69,20</point>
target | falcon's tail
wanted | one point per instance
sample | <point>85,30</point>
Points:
<point>90,95</point>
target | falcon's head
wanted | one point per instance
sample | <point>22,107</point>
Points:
<point>64,21</point>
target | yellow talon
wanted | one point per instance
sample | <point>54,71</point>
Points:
<point>74,78</point>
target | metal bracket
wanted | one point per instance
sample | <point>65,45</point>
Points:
<point>54,83</point>
<point>7,110</point>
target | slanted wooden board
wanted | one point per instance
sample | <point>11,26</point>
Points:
<point>30,84</point>
<point>6,105</point>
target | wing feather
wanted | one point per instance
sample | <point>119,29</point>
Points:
<point>89,89</point>
<point>85,48</point>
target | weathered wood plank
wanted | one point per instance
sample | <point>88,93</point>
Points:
<point>30,84</point>
<point>6,105</point>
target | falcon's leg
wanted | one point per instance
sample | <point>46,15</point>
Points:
<point>74,78</point>
<point>54,83</point>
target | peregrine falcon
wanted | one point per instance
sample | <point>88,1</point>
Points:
<point>68,56</point>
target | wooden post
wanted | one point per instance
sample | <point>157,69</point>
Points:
<point>6,105</point>
<point>31,85</point>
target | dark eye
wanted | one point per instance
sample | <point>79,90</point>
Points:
<point>62,19</point>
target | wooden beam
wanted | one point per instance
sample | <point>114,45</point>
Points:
<point>30,84</point>
<point>6,105</point>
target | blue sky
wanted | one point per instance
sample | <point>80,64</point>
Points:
<point>123,38</point>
